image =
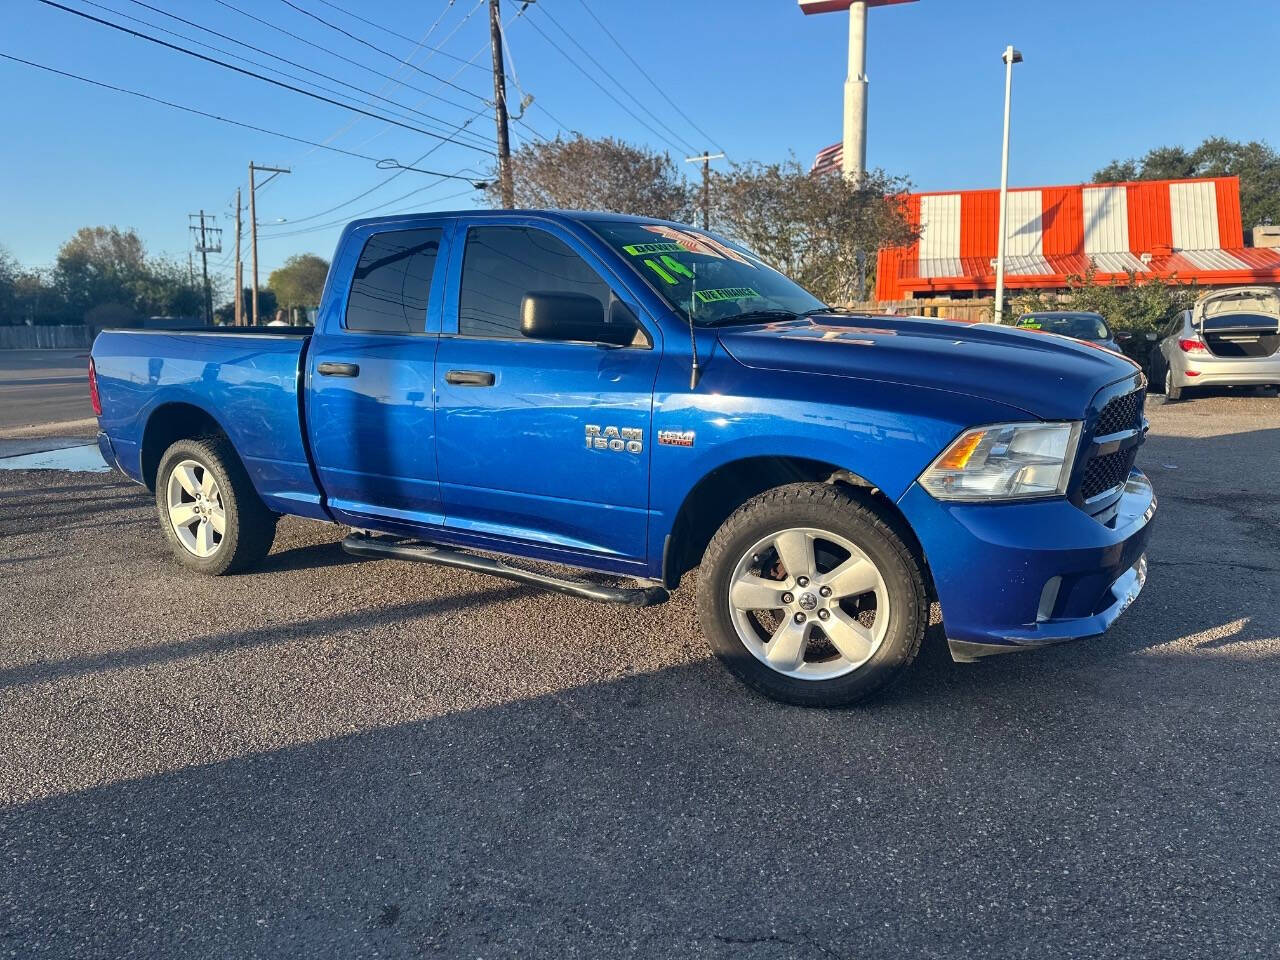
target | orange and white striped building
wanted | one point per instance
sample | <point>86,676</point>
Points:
<point>1183,230</point>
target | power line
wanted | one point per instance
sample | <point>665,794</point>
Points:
<point>616,82</point>
<point>603,89</point>
<point>333,53</point>
<point>644,73</point>
<point>377,49</point>
<point>445,125</point>
<point>203,113</point>
<point>378,26</point>
<point>342,221</point>
<point>376,186</point>
<point>258,76</point>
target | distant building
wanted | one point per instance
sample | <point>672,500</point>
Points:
<point>1183,230</point>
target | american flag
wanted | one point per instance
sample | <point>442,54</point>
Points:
<point>828,160</point>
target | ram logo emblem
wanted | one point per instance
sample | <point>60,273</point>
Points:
<point>617,439</point>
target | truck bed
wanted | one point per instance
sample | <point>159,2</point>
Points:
<point>248,382</point>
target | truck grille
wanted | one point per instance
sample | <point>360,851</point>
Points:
<point>1107,471</point>
<point>1120,413</point>
<point>1103,473</point>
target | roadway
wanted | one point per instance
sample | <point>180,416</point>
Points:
<point>43,386</point>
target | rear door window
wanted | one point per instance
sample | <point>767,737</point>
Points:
<point>392,282</point>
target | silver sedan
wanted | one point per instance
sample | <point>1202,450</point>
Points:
<point>1229,338</point>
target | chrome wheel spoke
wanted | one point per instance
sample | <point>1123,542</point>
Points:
<point>186,476</point>
<point>204,537</point>
<point>208,486</point>
<point>218,520</point>
<point>854,577</point>
<point>795,549</point>
<point>847,635</point>
<point>750,592</point>
<point>183,514</point>
<point>785,649</point>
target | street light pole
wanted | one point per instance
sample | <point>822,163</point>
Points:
<point>1010,57</point>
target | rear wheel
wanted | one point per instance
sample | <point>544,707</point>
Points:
<point>212,517</point>
<point>811,597</point>
<point>1172,392</point>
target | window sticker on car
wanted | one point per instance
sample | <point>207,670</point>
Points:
<point>1029,325</point>
<point>725,293</point>
<point>668,268</point>
<point>647,249</point>
<point>694,243</point>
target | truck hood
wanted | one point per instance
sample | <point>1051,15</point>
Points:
<point>1048,376</point>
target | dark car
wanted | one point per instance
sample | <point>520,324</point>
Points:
<point>1077,324</point>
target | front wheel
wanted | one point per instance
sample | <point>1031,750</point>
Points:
<point>211,515</point>
<point>810,596</point>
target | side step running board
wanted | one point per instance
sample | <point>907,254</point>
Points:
<point>363,545</point>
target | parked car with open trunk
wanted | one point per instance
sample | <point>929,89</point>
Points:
<point>1230,338</point>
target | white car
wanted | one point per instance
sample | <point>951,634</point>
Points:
<point>1229,338</point>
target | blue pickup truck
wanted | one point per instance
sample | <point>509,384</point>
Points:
<point>500,391</point>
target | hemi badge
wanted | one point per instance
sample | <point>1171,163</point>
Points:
<point>675,438</point>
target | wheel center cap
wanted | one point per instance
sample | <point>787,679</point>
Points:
<point>808,601</point>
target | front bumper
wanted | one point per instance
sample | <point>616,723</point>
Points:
<point>1017,576</point>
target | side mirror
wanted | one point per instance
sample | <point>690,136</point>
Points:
<point>1151,337</point>
<point>1123,336</point>
<point>577,317</point>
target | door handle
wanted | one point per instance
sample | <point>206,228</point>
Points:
<point>469,378</point>
<point>338,369</point>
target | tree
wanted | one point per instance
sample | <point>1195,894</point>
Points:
<point>298,283</point>
<point>1256,163</point>
<point>581,173</point>
<point>266,306</point>
<point>821,230</point>
<point>100,265</point>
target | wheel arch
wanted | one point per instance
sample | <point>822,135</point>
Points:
<point>172,421</point>
<point>715,497</point>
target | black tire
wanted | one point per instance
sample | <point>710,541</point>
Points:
<point>844,513</point>
<point>1172,392</point>
<point>249,527</point>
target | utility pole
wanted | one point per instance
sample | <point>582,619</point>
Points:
<point>253,223</point>
<point>705,160</point>
<point>206,246</point>
<point>500,106</point>
<point>1010,57</point>
<point>239,298</point>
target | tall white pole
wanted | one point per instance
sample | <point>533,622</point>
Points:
<point>854,162</point>
<point>1011,56</point>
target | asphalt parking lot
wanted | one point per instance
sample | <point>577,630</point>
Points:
<point>337,758</point>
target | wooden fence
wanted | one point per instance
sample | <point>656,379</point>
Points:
<point>71,337</point>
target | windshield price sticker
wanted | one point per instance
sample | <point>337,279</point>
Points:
<point>648,249</point>
<point>725,293</point>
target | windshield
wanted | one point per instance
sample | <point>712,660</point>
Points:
<point>1082,328</point>
<point>703,277</point>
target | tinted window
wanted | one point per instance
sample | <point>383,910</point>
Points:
<point>1082,327</point>
<point>502,264</point>
<point>392,282</point>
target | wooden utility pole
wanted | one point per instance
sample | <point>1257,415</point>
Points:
<point>253,225</point>
<point>500,106</point>
<point>208,240</point>
<point>705,160</point>
<point>239,299</point>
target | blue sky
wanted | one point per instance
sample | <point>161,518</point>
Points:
<point>1101,80</point>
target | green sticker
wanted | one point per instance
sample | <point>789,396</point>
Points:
<point>644,249</point>
<point>1029,325</point>
<point>726,293</point>
<point>657,268</point>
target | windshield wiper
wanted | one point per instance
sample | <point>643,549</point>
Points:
<point>751,316</point>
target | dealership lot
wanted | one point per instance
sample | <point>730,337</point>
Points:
<point>342,758</point>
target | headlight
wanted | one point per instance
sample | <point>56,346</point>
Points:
<point>1005,461</point>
